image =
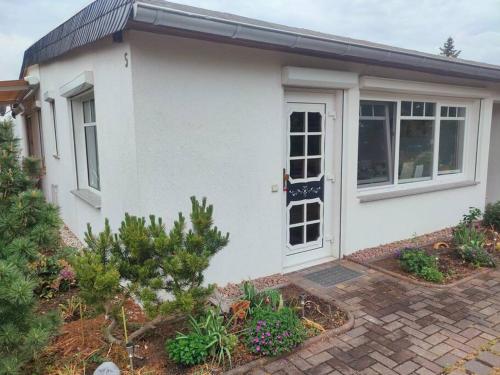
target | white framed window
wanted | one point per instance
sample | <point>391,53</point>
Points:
<point>52,106</point>
<point>85,132</point>
<point>415,141</point>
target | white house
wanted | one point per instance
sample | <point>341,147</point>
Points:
<point>310,146</point>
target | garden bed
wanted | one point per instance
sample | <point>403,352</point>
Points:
<point>440,246</point>
<point>81,341</point>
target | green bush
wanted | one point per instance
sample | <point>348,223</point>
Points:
<point>28,226</point>
<point>210,329</point>
<point>271,298</point>
<point>477,256</point>
<point>431,274</point>
<point>468,235</point>
<point>491,216</point>
<point>152,261</point>
<point>188,350</point>
<point>419,263</point>
<point>273,333</point>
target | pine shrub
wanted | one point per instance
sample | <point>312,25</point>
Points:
<point>491,216</point>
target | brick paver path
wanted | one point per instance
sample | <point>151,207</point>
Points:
<point>400,328</point>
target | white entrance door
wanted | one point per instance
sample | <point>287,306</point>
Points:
<point>311,203</point>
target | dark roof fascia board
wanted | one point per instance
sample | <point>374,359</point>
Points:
<point>301,41</point>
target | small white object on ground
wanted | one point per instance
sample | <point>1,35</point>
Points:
<point>107,368</point>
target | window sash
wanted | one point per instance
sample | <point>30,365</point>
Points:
<point>436,175</point>
<point>54,124</point>
<point>92,156</point>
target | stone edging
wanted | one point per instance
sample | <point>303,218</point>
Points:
<point>419,282</point>
<point>243,369</point>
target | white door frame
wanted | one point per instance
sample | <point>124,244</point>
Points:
<point>333,100</point>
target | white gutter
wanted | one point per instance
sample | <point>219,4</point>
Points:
<point>168,16</point>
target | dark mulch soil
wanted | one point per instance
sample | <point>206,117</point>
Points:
<point>80,344</point>
<point>450,264</point>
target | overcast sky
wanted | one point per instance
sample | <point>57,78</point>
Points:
<point>421,25</point>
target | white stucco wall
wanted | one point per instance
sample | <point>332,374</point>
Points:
<point>209,123</point>
<point>493,191</point>
<point>115,134</point>
<point>188,117</point>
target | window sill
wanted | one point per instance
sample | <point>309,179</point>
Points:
<point>89,197</point>
<point>372,196</point>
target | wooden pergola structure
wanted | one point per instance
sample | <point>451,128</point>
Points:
<point>12,91</point>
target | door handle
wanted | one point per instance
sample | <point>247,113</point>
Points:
<point>285,180</point>
<point>330,178</point>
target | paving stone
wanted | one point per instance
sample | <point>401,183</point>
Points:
<point>441,349</point>
<point>319,358</point>
<point>320,369</point>
<point>489,359</point>
<point>383,359</point>
<point>406,368</point>
<point>447,360</point>
<point>477,368</point>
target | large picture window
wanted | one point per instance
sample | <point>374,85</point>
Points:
<point>407,141</point>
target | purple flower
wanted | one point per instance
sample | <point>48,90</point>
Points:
<point>67,273</point>
<point>256,340</point>
<point>268,334</point>
<point>257,348</point>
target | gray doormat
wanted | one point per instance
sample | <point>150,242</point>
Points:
<point>332,276</point>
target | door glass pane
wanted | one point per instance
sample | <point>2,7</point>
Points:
<point>313,211</point>
<point>452,112</point>
<point>297,168</point>
<point>92,158</point>
<point>297,122</point>
<point>296,236</point>
<point>444,111</point>
<point>461,112</point>
<point>451,146</point>
<point>312,232</point>
<point>313,167</point>
<point>314,122</point>
<point>313,145</point>
<point>297,145</point>
<point>416,149</point>
<point>297,214</point>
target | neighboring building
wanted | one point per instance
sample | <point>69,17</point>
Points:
<point>310,146</point>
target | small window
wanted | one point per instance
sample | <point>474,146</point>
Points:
<point>376,143</point>
<point>54,124</point>
<point>451,140</point>
<point>91,150</point>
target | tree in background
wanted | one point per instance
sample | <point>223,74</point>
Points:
<point>448,49</point>
<point>28,225</point>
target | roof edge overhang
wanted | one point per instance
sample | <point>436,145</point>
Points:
<point>197,25</point>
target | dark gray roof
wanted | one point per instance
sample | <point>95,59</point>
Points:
<point>95,21</point>
<point>104,17</point>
